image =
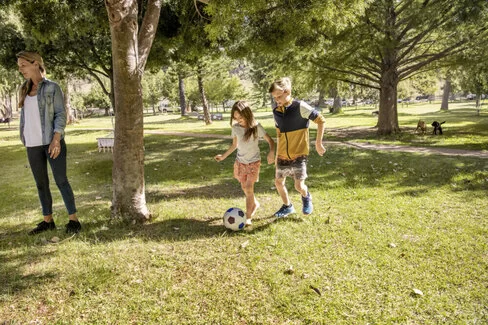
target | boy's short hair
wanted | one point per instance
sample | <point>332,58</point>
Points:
<point>281,84</point>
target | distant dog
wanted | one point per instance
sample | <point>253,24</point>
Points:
<point>421,125</point>
<point>5,120</point>
<point>437,127</point>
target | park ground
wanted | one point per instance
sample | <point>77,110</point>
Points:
<point>397,236</point>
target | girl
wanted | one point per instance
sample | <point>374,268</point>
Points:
<point>245,136</point>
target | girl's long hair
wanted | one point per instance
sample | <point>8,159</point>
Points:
<point>244,110</point>
<point>26,87</point>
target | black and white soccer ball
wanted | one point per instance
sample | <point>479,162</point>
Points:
<point>234,219</point>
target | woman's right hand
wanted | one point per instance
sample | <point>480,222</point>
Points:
<point>219,158</point>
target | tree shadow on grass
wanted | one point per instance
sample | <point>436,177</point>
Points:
<point>181,229</point>
<point>14,279</point>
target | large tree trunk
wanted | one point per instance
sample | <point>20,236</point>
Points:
<point>201,89</point>
<point>337,105</point>
<point>445,94</point>
<point>321,102</point>
<point>388,115</point>
<point>181,93</point>
<point>130,49</point>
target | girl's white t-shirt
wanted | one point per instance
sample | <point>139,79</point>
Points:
<point>32,124</point>
<point>247,151</point>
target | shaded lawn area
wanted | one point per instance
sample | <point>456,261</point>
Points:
<point>384,224</point>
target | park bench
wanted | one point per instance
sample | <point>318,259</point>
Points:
<point>106,143</point>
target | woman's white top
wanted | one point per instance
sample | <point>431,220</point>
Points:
<point>32,126</point>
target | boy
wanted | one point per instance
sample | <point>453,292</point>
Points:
<point>292,120</point>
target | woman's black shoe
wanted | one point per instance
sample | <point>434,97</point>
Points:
<point>43,226</point>
<point>73,227</point>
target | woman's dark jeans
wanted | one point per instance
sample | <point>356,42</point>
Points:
<point>38,158</point>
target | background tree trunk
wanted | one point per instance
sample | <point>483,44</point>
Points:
<point>337,105</point>
<point>321,102</point>
<point>67,103</point>
<point>181,93</point>
<point>201,89</point>
<point>445,94</point>
<point>129,200</point>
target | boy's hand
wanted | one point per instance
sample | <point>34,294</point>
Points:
<point>320,148</point>
<point>219,158</point>
<point>271,157</point>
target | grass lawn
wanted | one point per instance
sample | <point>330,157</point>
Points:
<point>464,127</point>
<point>385,225</point>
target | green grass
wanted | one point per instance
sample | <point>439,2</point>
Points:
<point>464,128</point>
<point>384,223</point>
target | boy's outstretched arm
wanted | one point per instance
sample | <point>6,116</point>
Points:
<point>318,141</point>
<point>231,149</point>
<point>271,153</point>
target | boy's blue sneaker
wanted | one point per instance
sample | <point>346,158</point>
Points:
<point>307,204</point>
<point>284,211</point>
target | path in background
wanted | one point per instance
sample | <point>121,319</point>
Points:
<point>357,145</point>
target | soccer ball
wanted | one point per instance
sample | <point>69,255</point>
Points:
<point>234,219</point>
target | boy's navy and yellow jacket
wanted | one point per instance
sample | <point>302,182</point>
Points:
<point>292,123</point>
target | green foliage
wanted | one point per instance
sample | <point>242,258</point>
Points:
<point>220,90</point>
<point>96,98</point>
<point>72,36</point>
<point>423,84</point>
<point>11,40</point>
<point>158,86</point>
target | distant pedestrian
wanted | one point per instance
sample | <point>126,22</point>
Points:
<point>292,134</point>
<point>246,132</point>
<point>42,123</point>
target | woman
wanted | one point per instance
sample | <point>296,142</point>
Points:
<point>42,123</point>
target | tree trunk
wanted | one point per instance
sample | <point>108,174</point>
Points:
<point>201,89</point>
<point>321,102</point>
<point>129,200</point>
<point>67,103</point>
<point>181,93</point>
<point>337,105</point>
<point>445,94</point>
<point>388,115</point>
<point>112,90</point>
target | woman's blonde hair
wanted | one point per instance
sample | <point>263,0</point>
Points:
<point>242,107</point>
<point>283,84</point>
<point>26,87</point>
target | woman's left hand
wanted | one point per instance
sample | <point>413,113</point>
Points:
<point>54,149</point>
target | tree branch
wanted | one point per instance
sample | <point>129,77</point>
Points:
<point>348,72</point>
<point>148,31</point>
<point>405,72</point>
